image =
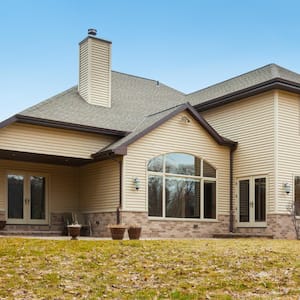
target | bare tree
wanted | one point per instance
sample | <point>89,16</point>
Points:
<point>295,220</point>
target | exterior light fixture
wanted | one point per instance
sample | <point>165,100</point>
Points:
<point>136,182</point>
<point>185,120</point>
<point>287,188</point>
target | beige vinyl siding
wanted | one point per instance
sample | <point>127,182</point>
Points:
<point>83,86</point>
<point>251,123</point>
<point>99,186</point>
<point>174,136</point>
<point>52,141</point>
<point>100,74</point>
<point>95,72</point>
<point>63,187</point>
<point>288,145</point>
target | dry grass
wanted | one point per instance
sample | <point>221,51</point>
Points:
<point>176,269</point>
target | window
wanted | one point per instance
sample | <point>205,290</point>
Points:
<point>297,195</point>
<point>181,186</point>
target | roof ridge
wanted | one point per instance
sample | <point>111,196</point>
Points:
<point>136,76</point>
<point>279,68</point>
<point>234,77</point>
<point>149,79</point>
<point>275,70</point>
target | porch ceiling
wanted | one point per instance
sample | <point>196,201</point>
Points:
<point>43,158</point>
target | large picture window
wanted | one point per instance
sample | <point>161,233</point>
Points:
<point>181,186</point>
<point>297,195</point>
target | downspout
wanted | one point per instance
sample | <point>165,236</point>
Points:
<point>231,216</point>
<point>120,162</point>
<point>120,190</point>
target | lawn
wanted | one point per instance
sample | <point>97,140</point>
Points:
<point>171,269</point>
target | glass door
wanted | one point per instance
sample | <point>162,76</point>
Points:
<point>37,199</point>
<point>252,201</point>
<point>26,198</point>
<point>15,195</point>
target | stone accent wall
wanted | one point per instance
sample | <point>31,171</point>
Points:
<point>279,225</point>
<point>159,228</point>
<point>176,229</point>
<point>58,222</point>
<point>100,221</point>
<point>2,215</point>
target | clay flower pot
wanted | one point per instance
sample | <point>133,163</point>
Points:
<point>117,231</point>
<point>74,231</point>
<point>134,232</point>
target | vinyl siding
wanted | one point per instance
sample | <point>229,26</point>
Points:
<point>95,72</point>
<point>99,186</point>
<point>288,145</point>
<point>62,183</point>
<point>100,73</point>
<point>174,136</point>
<point>43,140</point>
<point>250,122</point>
<point>84,71</point>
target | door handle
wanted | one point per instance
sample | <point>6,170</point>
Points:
<point>27,201</point>
<point>252,204</point>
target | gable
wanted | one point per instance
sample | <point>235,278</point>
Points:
<point>176,135</point>
<point>173,136</point>
<point>153,121</point>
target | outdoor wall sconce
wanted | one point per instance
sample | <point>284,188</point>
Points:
<point>287,188</point>
<point>185,120</point>
<point>136,182</point>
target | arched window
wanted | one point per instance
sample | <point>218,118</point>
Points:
<point>181,185</point>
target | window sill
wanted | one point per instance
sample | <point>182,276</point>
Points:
<point>182,220</point>
<point>253,225</point>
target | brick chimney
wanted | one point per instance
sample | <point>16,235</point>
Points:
<point>95,70</point>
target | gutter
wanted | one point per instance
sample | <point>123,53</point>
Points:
<point>61,125</point>
<point>274,83</point>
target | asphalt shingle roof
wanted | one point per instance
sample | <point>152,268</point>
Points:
<point>134,98</point>
<point>241,82</point>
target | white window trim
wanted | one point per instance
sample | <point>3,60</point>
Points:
<point>199,178</point>
<point>294,194</point>
<point>26,175</point>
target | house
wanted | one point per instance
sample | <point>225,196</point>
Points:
<point>222,159</point>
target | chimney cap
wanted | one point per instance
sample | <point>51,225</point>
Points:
<point>92,31</point>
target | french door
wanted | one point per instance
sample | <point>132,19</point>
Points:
<point>26,198</point>
<point>252,194</point>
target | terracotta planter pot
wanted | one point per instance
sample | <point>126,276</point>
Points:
<point>117,233</point>
<point>134,233</point>
<point>74,231</point>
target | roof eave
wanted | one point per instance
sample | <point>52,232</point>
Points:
<point>275,83</point>
<point>61,125</point>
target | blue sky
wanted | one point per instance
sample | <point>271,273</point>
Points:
<point>187,44</point>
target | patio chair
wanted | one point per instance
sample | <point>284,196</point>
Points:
<point>68,220</point>
<point>81,219</point>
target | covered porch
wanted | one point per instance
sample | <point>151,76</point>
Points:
<point>38,191</point>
